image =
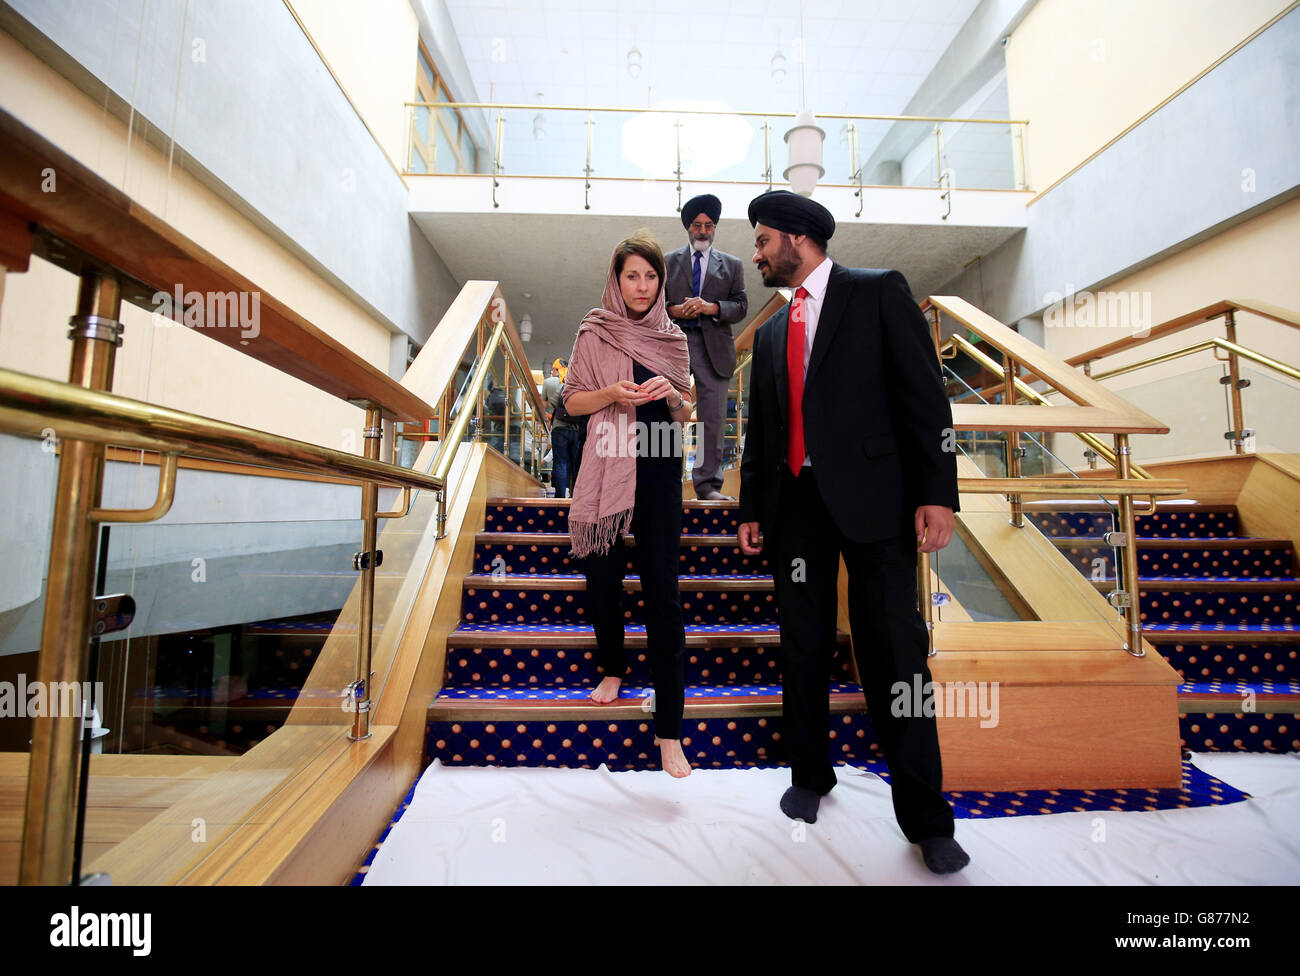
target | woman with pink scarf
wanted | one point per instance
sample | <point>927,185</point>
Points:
<point>629,370</point>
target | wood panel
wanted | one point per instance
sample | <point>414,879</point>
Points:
<point>15,242</point>
<point>164,849</point>
<point>1269,502</point>
<point>96,218</point>
<point>1210,481</point>
<point>436,363</point>
<point>1065,419</point>
<point>1069,381</point>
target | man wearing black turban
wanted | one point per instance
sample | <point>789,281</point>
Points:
<point>705,292</point>
<point>847,453</point>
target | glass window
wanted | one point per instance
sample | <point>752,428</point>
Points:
<point>445,158</point>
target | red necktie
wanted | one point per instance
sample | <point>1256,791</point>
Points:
<point>794,449</point>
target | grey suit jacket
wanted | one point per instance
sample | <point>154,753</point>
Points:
<point>724,283</point>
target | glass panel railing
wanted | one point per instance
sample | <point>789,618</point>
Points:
<point>716,143</point>
<point>1194,403</point>
<point>1269,406</point>
<point>236,595</point>
<point>29,469</point>
<point>1076,525</point>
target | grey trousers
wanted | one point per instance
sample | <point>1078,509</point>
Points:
<point>710,411</point>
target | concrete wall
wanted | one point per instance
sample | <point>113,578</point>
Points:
<point>1220,152</point>
<point>1082,72</point>
<point>256,115</point>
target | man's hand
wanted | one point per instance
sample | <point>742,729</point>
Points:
<point>751,543</point>
<point>934,525</point>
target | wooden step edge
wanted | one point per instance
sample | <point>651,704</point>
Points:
<point>547,501</point>
<point>565,539</point>
<point>1256,584</point>
<point>757,706</point>
<point>538,581</point>
<point>480,638</point>
<point>1222,542</point>
<point>1220,637</point>
<point>1230,704</point>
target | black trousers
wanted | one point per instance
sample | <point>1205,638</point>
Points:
<point>889,642</point>
<point>657,527</point>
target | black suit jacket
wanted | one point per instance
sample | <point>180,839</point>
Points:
<point>724,283</point>
<point>876,418</point>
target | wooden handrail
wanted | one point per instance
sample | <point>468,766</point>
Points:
<point>435,366</point>
<point>1276,313</point>
<point>1096,408</point>
<point>88,223</point>
<point>745,340</point>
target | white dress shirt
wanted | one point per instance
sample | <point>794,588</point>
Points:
<point>704,267</point>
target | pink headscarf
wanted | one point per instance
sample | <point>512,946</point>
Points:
<point>604,495</point>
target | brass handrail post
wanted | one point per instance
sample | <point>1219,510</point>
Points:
<point>366,561</point>
<point>53,783</point>
<point>1014,451</point>
<point>1238,433</point>
<point>925,598</point>
<point>1128,597</point>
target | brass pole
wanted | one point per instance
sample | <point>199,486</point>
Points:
<point>367,562</point>
<point>925,598</point>
<point>53,785</point>
<point>1234,386</point>
<point>1014,449</point>
<point>1129,595</point>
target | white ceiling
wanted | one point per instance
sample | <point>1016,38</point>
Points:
<point>553,266</point>
<point>860,56</point>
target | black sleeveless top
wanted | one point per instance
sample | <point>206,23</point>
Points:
<point>662,438</point>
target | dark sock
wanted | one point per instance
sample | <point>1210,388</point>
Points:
<point>943,855</point>
<point>800,803</point>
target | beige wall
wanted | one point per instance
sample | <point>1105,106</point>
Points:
<point>1082,71</point>
<point>173,366</point>
<point>371,48</point>
<point>1253,261</point>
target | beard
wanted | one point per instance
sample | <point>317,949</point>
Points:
<point>701,243</point>
<point>780,269</point>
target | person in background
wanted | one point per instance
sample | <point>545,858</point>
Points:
<point>564,432</point>
<point>706,295</point>
<point>629,373</point>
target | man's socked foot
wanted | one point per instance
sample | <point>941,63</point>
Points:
<point>943,855</point>
<point>800,803</point>
<point>674,760</point>
<point>606,691</point>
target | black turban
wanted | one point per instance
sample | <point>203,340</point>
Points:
<point>705,203</point>
<point>789,212</point>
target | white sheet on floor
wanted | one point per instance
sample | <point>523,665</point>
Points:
<point>574,826</point>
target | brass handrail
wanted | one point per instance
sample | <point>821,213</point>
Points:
<point>1216,343</point>
<point>1225,309</point>
<point>30,404</point>
<point>534,107</point>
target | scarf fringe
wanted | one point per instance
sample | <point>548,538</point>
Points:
<point>597,537</point>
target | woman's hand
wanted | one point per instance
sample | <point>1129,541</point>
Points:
<point>657,388</point>
<point>625,392</point>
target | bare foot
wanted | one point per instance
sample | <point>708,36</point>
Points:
<point>606,691</point>
<point>674,760</point>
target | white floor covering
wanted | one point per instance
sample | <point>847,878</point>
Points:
<point>572,826</point>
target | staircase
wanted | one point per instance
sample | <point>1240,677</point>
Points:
<point>1221,608</point>
<point>520,664</point>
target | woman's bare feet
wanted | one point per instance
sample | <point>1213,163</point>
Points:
<point>674,760</point>
<point>606,691</point>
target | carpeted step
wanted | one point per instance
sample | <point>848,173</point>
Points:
<point>1163,633</point>
<point>1233,662</point>
<point>516,553</point>
<point>1238,558</point>
<point>552,515</point>
<point>562,599</point>
<point>1214,522</point>
<point>563,655</point>
<point>719,731</point>
<point>1254,602</point>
